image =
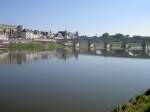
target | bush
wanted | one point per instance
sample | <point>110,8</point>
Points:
<point>140,103</point>
<point>148,110</point>
<point>147,93</point>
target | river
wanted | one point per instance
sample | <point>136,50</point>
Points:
<point>71,80</point>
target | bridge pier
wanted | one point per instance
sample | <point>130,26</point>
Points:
<point>125,46</point>
<point>110,44</point>
<point>107,45</point>
<point>76,43</point>
<point>91,45</point>
<point>144,45</point>
<point>148,46</point>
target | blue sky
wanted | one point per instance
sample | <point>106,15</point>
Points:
<point>89,17</point>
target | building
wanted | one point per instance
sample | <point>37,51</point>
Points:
<point>63,33</point>
<point>58,36</point>
<point>13,31</point>
<point>29,34</point>
<point>67,35</point>
<point>51,35</point>
<point>19,30</point>
<point>37,34</point>
<point>10,30</point>
<point>3,36</point>
<point>71,35</point>
<point>44,34</point>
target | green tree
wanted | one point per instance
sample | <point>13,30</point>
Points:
<point>118,35</point>
<point>105,35</point>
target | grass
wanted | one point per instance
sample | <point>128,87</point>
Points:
<point>116,45</point>
<point>133,45</point>
<point>99,45</point>
<point>33,46</point>
<point>140,103</point>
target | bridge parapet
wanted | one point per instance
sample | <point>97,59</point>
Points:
<point>109,44</point>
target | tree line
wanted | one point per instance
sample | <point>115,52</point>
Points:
<point>118,36</point>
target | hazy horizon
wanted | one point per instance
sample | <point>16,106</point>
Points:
<point>92,17</point>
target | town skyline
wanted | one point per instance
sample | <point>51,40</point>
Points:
<point>65,30</point>
<point>88,17</point>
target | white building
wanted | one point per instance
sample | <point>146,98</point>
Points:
<point>37,35</point>
<point>67,35</point>
<point>59,36</point>
<point>3,36</point>
<point>28,34</point>
<point>71,35</point>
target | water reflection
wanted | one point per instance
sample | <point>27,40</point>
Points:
<point>20,57</point>
<point>71,80</point>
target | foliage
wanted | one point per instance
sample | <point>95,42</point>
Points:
<point>105,35</point>
<point>118,35</point>
<point>33,46</point>
<point>140,103</point>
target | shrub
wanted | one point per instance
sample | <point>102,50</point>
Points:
<point>147,93</point>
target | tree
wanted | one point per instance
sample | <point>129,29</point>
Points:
<point>137,37</point>
<point>105,35</point>
<point>118,35</point>
<point>127,36</point>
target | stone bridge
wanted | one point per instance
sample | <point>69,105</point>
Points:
<point>126,43</point>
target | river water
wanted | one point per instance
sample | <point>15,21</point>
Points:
<point>71,80</point>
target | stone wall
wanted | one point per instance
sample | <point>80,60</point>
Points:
<point>10,30</point>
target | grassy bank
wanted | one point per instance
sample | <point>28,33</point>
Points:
<point>33,46</point>
<point>116,45</point>
<point>140,103</point>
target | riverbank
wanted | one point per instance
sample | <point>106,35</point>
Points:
<point>33,46</point>
<point>140,103</point>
